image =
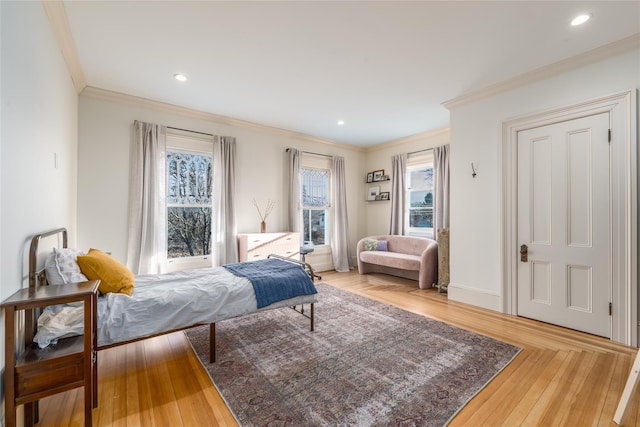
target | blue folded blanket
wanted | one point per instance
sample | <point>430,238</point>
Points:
<point>274,280</point>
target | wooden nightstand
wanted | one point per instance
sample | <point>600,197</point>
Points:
<point>37,373</point>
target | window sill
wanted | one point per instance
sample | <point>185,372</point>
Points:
<point>427,234</point>
<point>177,264</point>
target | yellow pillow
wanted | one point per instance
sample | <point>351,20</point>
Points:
<point>113,276</point>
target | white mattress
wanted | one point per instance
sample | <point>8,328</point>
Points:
<point>160,303</point>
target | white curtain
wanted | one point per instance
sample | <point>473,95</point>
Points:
<point>223,224</point>
<point>340,231</point>
<point>398,198</point>
<point>293,189</point>
<point>441,188</point>
<point>147,240</point>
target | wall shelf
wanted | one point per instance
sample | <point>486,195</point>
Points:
<point>376,176</point>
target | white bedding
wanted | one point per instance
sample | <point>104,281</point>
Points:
<point>160,303</point>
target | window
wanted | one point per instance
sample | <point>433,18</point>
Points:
<point>419,180</point>
<point>189,185</point>
<point>314,183</point>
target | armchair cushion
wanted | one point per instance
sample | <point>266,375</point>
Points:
<point>375,245</point>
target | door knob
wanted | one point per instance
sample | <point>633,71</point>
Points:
<point>524,253</point>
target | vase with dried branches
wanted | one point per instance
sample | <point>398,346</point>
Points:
<point>263,217</point>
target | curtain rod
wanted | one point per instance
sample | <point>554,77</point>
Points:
<point>192,131</point>
<point>420,151</point>
<point>309,152</point>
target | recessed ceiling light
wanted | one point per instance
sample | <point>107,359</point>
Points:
<point>580,19</point>
<point>180,77</point>
<point>340,122</point>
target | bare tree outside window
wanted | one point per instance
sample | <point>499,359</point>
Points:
<point>189,177</point>
<point>315,205</point>
<point>420,194</point>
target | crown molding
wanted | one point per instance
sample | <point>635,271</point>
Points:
<point>598,54</point>
<point>411,138</point>
<point>60,27</point>
<point>107,95</point>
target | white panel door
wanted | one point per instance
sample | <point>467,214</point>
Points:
<point>564,220</point>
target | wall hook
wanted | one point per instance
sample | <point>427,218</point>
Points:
<point>473,170</point>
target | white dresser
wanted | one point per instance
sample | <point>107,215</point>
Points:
<point>254,246</point>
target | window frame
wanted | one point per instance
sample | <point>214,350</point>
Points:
<point>422,159</point>
<point>317,162</point>
<point>186,143</point>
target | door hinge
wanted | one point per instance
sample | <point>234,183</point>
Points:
<point>610,309</point>
<point>609,136</point>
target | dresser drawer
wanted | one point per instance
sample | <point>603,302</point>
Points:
<point>260,239</point>
<point>264,251</point>
<point>256,246</point>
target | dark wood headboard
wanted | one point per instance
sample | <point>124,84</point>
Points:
<point>34,274</point>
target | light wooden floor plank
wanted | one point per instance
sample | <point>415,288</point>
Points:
<point>159,358</point>
<point>590,400</point>
<point>618,379</point>
<point>522,387</point>
<point>191,400</point>
<point>106,385</point>
<point>518,413</point>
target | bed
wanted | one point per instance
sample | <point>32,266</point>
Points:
<point>161,304</point>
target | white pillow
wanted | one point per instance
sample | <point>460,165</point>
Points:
<point>67,264</point>
<point>59,321</point>
<point>51,270</point>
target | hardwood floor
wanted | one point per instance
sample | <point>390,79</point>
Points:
<point>561,378</point>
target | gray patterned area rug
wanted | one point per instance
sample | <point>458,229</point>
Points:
<point>366,364</point>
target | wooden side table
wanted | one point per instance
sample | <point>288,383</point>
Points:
<point>37,373</point>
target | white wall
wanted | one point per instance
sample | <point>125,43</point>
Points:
<point>378,214</point>
<point>105,134</point>
<point>105,128</point>
<point>39,119</point>
<point>476,222</point>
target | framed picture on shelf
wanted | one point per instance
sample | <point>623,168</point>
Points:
<point>377,175</point>
<point>372,192</point>
<point>370,177</point>
<point>384,195</point>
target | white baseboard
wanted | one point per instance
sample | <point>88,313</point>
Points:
<point>321,260</point>
<point>318,268</point>
<point>476,297</point>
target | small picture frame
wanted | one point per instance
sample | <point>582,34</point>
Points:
<point>372,193</point>
<point>377,175</point>
<point>384,195</point>
<point>370,177</point>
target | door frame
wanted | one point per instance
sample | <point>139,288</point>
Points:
<point>624,221</point>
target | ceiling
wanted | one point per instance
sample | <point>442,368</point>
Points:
<point>385,68</point>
